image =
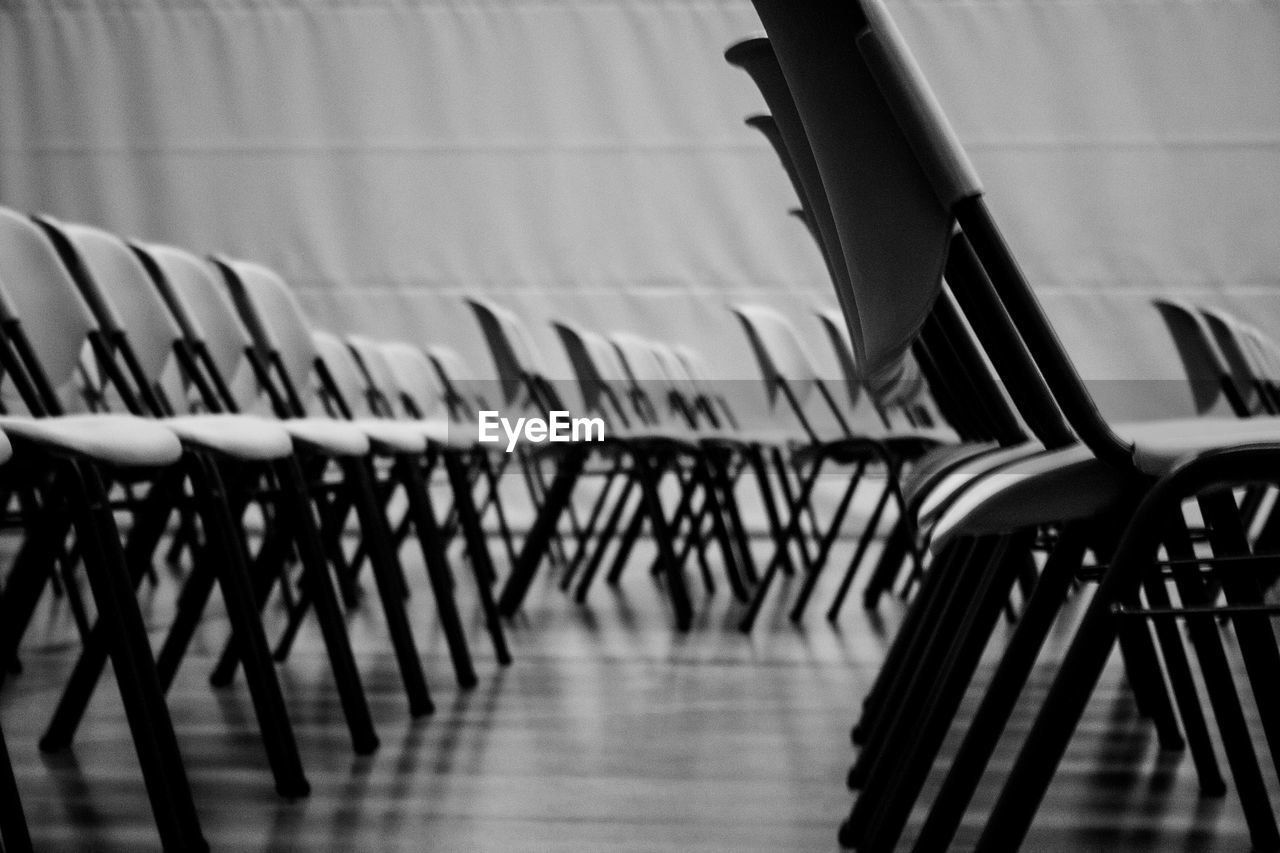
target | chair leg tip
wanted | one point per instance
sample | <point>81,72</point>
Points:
<point>295,790</point>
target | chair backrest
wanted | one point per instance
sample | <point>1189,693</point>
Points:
<point>1239,352</point>
<point>682,382</point>
<point>756,57</point>
<point>782,357</point>
<point>591,383</point>
<point>510,344</point>
<point>119,290</point>
<point>1199,350</point>
<point>637,358</point>
<point>769,129</point>
<point>838,336</point>
<point>203,310</point>
<point>277,325</point>
<point>897,181</point>
<point>894,239</point>
<point>385,397</point>
<point>347,388</point>
<point>459,384</point>
<point>416,378</point>
<point>39,300</point>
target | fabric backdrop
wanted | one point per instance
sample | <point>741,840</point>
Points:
<point>587,158</point>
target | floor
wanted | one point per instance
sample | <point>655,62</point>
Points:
<point>609,733</point>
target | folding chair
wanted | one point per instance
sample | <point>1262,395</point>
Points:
<point>789,371</point>
<point>607,373</point>
<point>134,344</point>
<point>344,385</point>
<point>233,377</point>
<point>69,460</point>
<point>524,381</point>
<point>888,160</point>
<point>288,352</point>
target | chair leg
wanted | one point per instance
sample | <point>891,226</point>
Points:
<point>297,514</point>
<point>494,499</point>
<point>14,837</point>
<point>607,533</point>
<point>926,653</point>
<point>593,519</point>
<point>859,554</point>
<point>538,541</point>
<point>721,521</point>
<point>1007,682</point>
<point>1184,690</point>
<point>26,582</point>
<point>265,571</point>
<point>388,578</point>
<point>478,549</point>
<point>130,652</point>
<point>149,523</point>
<point>756,461</point>
<point>1206,640</point>
<point>914,762</point>
<point>1078,675</point>
<point>897,546</point>
<point>630,535</point>
<point>936,685</point>
<point>677,588</point>
<point>828,539</point>
<point>781,544</point>
<point>912,637</point>
<point>721,462</point>
<point>1257,641</point>
<point>431,542</point>
<point>227,552</point>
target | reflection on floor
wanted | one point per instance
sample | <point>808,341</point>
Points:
<point>609,733</point>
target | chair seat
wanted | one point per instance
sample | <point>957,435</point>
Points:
<point>1054,485</point>
<point>947,487</point>
<point>1005,494</point>
<point>244,437</point>
<point>327,436</point>
<point>122,440</point>
<point>1160,445</point>
<point>925,471</point>
<point>393,436</point>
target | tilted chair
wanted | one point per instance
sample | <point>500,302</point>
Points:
<point>888,160</point>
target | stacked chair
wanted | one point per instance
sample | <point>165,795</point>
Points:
<point>903,206</point>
